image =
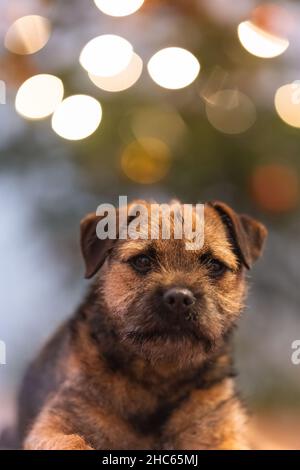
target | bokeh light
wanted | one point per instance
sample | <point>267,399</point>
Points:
<point>273,18</point>
<point>287,103</point>
<point>146,160</point>
<point>163,122</point>
<point>173,68</point>
<point>122,81</point>
<point>106,55</point>
<point>28,34</point>
<point>39,96</point>
<point>230,111</point>
<point>77,117</point>
<point>275,188</point>
<point>260,42</point>
<point>119,7</point>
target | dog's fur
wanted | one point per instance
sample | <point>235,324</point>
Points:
<point>123,373</point>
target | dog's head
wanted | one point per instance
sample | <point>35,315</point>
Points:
<point>168,303</point>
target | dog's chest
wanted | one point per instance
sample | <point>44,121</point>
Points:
<point>140,419</point>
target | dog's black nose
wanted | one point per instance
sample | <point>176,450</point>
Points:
<point>178,300</point>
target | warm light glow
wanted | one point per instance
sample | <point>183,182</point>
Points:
<point>173,68</point>
<point>287,103</point>
<point>77,117</point>
<point>28,34</point>
<point>230,111</point>
<point>275,187</point>
<point>146,161</point>
<point>259,42</point>
<point>273,18</point>
<point>119,7</point>
<point>162,122</point>
<point>106,55</point>
<point>38,96</point>
<point>123,80</point>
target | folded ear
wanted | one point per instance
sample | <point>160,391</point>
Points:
<point>94,250</point>
<point>246,234</point>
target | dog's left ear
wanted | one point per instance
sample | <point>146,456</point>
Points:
<point>247,234</point>
<point>94,250</point>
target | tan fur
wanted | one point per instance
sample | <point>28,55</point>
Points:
<point>126,379</point>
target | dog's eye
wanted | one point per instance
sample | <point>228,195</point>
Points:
<point>216,268</point>
<point>142,263</point>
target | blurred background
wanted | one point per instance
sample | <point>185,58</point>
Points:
<point>194,99</point>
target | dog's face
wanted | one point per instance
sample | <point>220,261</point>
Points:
<point>168,303</point>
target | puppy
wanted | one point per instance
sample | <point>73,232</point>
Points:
<point>145,362</point>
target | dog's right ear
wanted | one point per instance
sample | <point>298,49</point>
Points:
<point>246,234</point>
<point>94,250</point>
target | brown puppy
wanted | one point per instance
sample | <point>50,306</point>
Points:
<point>145,362</point>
